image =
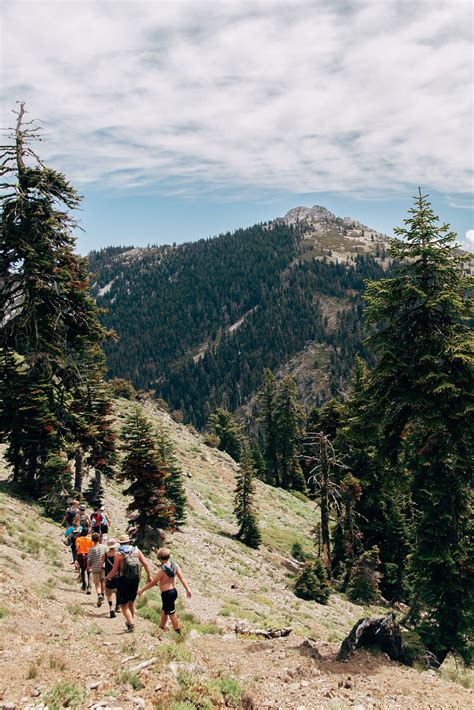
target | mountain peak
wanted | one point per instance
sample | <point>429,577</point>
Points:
<point>317,213</point>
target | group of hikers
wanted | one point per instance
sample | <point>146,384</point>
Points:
<point>116,565</point>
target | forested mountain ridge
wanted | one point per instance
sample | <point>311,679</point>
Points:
<point>199,322</point>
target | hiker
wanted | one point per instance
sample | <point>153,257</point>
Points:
<point>104,524</point>
<point>83,545</point>
<point>111,584</point>
<point>70,513</point>
<point>84,519</point>
<point>95,564</point>
<point>166,578</point>
<point>128,562</point>
<point>95,520</point>
<point>70,536</point>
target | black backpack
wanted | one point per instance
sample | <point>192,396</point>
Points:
<point>131,566</point>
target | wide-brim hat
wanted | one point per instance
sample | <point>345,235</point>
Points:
<point>82,507</point>
<point>112,543</point>
<point>123,539</point>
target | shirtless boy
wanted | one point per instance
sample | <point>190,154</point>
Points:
<point>166,578</point>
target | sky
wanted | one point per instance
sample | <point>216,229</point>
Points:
<point>180,119</point>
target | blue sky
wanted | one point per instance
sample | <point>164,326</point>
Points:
<point>180,119</point>
<point>155,219</point>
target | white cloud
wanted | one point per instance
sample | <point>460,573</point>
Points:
<point>301,95</point>
<point>470,238</point>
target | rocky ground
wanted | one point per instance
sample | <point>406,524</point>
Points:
<point>58,649</point>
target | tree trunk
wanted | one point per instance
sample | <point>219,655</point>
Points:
<point>78,469</point>
<point>324,494</point>
<point>380,632</point>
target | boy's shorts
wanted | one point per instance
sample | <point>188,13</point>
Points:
<point>97,577</point>
<point>168,599</point>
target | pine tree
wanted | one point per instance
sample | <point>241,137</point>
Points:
<point>222,424</point>
<point>312,583</point>
<point>421,389</point>
<point>244,508</point>
<point>266,411</point>
<point>174,484</point>
<point>365,578</point>
<point>288,423</point>
<point>151,513</point>
<point>383,510</point>
<point>50,320</point>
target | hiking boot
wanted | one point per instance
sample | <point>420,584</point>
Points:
<point>100,600</point>
<point>88,590</point>
<point>112,614</point>
<point>130,627</point>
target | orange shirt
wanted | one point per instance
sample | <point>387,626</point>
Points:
<point>83,545</point>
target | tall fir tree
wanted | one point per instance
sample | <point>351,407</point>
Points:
<point>174,483</point>
<point>383,510</point>
<point>48,319</point>
<point>231,438</point>
<point>266,411</point>
<point>150,512</point>
<point>288,428</point>
<point>421,389</point>
<point>244,509</point>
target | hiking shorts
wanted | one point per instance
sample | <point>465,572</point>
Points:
<point>104,529</point>
<point>127,590</point>
<point>82,561</point>
<point>97,577</point>
<point>168,599</point>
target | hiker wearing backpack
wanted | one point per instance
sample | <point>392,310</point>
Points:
<point>128,563</point>
<point>95,564</point>
<point>111,585</point>
<point>95,520</point>
<point>83,545</point>
<point>70,536</point>
<point>70,513</point>
<point>84,519</point>
<point>104,524</point>
<point>166,578</point>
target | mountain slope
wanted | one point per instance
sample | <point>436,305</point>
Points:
<point>55,641</point>
<point>198,323</point>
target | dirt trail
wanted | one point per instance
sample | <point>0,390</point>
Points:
<point>53,633</point>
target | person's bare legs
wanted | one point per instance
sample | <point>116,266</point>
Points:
<point>163,620</point>
<point>175,622</point>
<point>127,613</point>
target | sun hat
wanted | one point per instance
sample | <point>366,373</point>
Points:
<point>123,539</point>
<point>82,506</point>
<point>112,542</point>
<point>102,508</point>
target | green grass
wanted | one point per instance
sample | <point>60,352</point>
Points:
<point>173,651</point>
<point>149,608</point>
<point>3,612</point>
<point>29,544</point>
<point>56,664</point>
<point>32,671</point>
<point>129,678</point>
<point>64,694</point>
<point>204,694</point>
<point>75,610</point>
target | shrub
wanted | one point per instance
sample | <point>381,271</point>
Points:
<point>122,388</point>
<point>211,440</point>
<point>365,578</point>
<point>298,553</point>
<point>64,694</point>
<point>312,583</point>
